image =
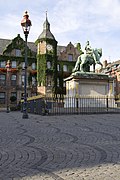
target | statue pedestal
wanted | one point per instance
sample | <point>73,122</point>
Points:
<point>95,87</point>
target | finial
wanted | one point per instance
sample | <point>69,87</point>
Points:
<point>46,14</point>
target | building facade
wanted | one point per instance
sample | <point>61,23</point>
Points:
<point>48,65</point>
<point>113,70</point>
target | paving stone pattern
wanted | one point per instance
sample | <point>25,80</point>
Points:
<point>75,147</point>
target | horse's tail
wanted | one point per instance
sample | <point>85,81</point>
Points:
<point>77,64</point>
<point>97,54</point>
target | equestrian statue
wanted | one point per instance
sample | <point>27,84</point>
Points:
<point>88,58</point>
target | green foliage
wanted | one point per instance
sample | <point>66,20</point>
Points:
<point>18,43</point>
<point>55,75</point>
<point>41,69</point>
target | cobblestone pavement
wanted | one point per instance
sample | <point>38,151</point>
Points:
<point>75,147</point>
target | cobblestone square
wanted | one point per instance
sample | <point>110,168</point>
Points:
<point>72,147</point>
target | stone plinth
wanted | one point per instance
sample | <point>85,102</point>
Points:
<point>89,85</point>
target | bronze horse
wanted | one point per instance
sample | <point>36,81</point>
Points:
<point>84,61</point>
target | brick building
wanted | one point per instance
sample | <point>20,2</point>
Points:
<point>113,70</point>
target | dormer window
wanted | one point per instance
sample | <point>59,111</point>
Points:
<point>70,57</point>
<point>17,52</point>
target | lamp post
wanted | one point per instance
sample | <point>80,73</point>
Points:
<point>26,24</point>
<point>8,67</point>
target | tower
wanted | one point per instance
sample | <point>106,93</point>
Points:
<point>46,61</point>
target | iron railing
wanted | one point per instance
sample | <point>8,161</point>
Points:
<point>72,105</point>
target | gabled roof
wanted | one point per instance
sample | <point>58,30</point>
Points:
<point>4,43</point>
<point>113,63</point>
<point>60,49</point>
<point>32,46</point>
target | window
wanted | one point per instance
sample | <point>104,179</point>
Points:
<point>33,66</point>
<point>33,81</point>
<point>49,82</point>
<point>58,82</point>
<point>70,57</point>
<point>14,64</point>
<point>64,84</point>
<point>58,67</point>
<point>65,68</point>
<point>2,80</point>
<point>22,80</point>
<point>2,64</point>
<point>15,95</point>
<point>13,79</point>
<point>23,65</point>
<point>48,65</point>
<point>17,52</point>
<point>2,97</point>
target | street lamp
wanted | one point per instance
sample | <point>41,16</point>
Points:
<point>8,67</point>
<point>26,24</point>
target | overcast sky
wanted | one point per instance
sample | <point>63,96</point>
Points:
<point>70,20</point>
